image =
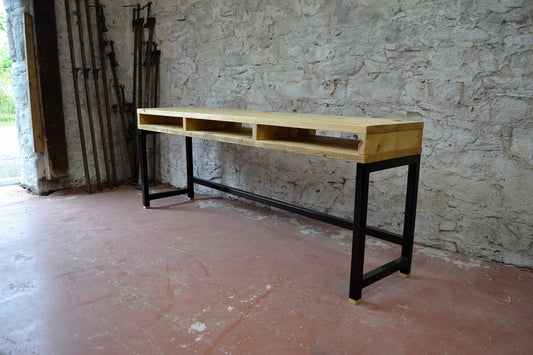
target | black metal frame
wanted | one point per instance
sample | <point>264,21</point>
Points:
<point>358,279</point>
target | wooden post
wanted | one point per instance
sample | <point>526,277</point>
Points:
<point>33,86</point>
<point>55,142</point>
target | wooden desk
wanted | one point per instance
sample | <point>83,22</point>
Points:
<point>373,143</point>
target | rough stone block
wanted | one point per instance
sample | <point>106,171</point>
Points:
<point>447,226</point>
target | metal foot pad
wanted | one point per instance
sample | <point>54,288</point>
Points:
<point>356,301</point>
<point>146,207</point>
<point>405,275</point>
<point>190,198</point>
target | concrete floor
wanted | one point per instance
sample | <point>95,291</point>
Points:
<point>98,274</point>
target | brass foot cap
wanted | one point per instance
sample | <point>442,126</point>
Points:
<point>356,301</point>
<point>146,207</point>
<point>190,198</point>
<point>405,275</point>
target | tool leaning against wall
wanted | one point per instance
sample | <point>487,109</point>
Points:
<point>146,59</point>
<point>100,138</point>
<point>75,77</point>
<point>145,90</point>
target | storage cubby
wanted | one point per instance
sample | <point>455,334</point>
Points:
<point>263,132</point>
<point>145,119</point>
<point>196,127</point>
<point>358,139</point>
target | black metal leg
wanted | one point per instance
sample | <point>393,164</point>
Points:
<point>358,279</point>
<point>410,215</point>
<point>359,233</point>
<point>190,175</point>
<point>144,169</point>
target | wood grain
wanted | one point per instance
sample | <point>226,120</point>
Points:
<point>376,138</point>
<point>33,86</point>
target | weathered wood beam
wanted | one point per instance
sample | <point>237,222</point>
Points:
<point>55,142</point>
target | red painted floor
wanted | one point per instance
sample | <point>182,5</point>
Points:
<point>98,274</point>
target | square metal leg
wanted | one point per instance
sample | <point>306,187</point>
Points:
<point>190,174</point>
<point>359,232</point>
<point>410,215</point>
<point>144,168</point>
<point>147,196</point>
<point>359,279</point>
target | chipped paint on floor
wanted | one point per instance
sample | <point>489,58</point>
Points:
<point>100,274</point>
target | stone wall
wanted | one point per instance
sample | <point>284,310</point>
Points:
<point>117,26</point>
<point>32,163</point>
<point>33,170</point>
<point>461,67</point>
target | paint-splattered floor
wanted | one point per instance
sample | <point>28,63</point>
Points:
<point>97,274</point>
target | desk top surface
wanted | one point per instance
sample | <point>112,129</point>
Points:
<point>368,139</point>
<point>310,121</point>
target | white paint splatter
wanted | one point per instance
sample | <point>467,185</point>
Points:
<point>467,265</point>
<point>198,327</point>
<point>304,229</point>
<point>250,214</point>
<point>230,308</point>
<point>308,231</point>
<point>446,256</point>
<point>206,204</point>
<point>375,243</point>
<point>269,287</point>
<point>341,235</point>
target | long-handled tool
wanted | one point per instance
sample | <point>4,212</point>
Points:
<point>101,28</point>
<point>75,76</point>
<point>136,34</point>
<point>86,71</point>
<point>148,56</point>
<point>155,103</point>
<point>140,40</point>
<point>157,61</point>
<point>97,91</point>
<point>121,108</point>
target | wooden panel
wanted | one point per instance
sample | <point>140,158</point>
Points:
<point>386,142</point>
<point>239,135</point>
<point>292,132</point>
<point>158,119</point>
<point>321,146</point>
<point>33,86</point>
<point>389,155</point>
<point>377,147</point>
<point>50,83</point>
<point>268,132</point>
<point>210,125</point>
<point>166,128</point>
<point>295,120</point>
